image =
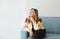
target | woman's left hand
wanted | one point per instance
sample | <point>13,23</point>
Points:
<point>32,19</point>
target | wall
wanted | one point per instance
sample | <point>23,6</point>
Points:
<point>12,14</point>
<point>47,8</point>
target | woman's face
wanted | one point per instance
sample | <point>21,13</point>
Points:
<point>32,13</point>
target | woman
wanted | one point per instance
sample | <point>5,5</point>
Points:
<point>33,25</point>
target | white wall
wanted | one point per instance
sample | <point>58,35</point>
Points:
<point>12,14</point>
<point>49,8</point>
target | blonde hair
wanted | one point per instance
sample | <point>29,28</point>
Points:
<point>36,18</point>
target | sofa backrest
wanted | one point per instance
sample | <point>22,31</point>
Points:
<point>52,24</point>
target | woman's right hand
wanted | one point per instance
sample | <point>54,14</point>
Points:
<point>30,32</point>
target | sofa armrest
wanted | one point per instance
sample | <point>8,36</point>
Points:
<point>23,34</point>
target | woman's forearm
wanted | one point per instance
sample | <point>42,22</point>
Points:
<point>27,29</point>
<point>30,31</point>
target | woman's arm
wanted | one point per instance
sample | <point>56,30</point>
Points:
<point>26,27</point>
<point>28,30</point>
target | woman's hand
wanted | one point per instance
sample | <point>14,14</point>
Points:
<point>32,19</point>
<point>31,33</point>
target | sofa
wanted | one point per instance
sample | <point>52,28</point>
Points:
<point>52,26</point>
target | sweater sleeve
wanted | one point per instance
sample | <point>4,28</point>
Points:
<point>40,26</point>
<point>26,27</point>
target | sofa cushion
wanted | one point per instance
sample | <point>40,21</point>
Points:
<point>52,24</point>
<point>52,36</point>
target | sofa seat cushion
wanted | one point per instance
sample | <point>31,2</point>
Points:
<point>52,36</point>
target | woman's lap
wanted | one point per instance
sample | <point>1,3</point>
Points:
<point>39,34</point>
